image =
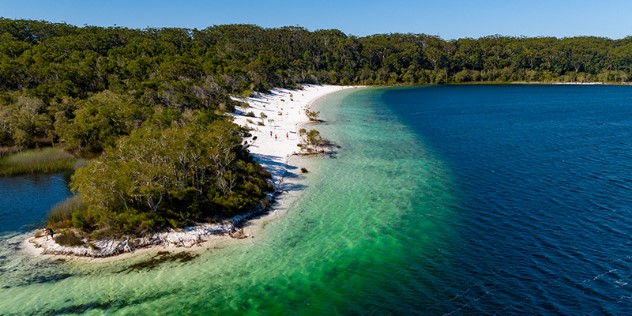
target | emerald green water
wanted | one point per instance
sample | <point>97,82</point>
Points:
<point>366,228</point>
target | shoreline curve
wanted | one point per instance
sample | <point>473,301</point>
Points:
<point>273,120</point>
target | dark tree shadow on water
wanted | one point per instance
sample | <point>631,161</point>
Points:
<point>105,306</point>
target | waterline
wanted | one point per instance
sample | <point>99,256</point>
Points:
<point>349,243</point>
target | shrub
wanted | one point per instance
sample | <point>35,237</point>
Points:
<point>311,141</point>
<point>62,215</point>
<point>69,238</point>
<point>135,222</point>
<point>250,114</point>
<point>93,246</point>
<point>263,115</point>
<point>77,220</point>
<point>312,115</point>
<point>48,160</point>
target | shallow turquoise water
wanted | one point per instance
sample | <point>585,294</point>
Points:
<point>345,246</point>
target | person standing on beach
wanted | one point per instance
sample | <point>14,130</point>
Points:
<point>48,232</point>
<point>280,189</point>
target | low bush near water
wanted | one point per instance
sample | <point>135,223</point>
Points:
<point>69,238</point>
<point>47,160</point>
<point>66,213</point>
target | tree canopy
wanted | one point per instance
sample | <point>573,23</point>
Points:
<point>168,177</point>
<point>68,74</point>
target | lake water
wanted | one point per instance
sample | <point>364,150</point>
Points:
<point>26,200</point>
<point>442,200</point>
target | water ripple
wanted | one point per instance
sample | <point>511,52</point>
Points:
<point>545,193</point>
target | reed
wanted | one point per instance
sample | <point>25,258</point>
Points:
<point>61,215</point>
<point>47,160</point>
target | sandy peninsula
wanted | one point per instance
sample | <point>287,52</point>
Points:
<point>274,120</point>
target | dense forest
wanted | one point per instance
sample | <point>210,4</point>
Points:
<point>149,106</point>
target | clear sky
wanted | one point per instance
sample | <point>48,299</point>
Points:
<point>448,19</point>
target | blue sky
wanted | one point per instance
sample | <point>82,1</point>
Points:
<point>448,19</point>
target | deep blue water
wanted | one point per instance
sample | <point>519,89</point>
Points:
<point>26,200</point>
<point>544,180</point>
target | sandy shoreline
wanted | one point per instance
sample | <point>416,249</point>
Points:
<point>273,120</point>
<point>277,119</point>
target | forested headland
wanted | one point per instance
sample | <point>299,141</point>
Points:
<point>149,106</point>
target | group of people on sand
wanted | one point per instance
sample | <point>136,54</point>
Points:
<point>287,135</point>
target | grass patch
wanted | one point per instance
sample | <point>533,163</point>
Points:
<point>47,160</point>
<point>61,215</point>
<point>4,151</point>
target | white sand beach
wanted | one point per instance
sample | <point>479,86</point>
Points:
<point>278,118</point>
<point>274,121</point>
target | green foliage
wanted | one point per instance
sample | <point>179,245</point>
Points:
<point>69,238</point>
<point>100,120</point>
<point>170,176</point>
<point>311,141</point>
<point>68,213</point>
<point>312,115</point>
<point>47,160</point>
<point>22,121</point>
<point>77,220</point>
